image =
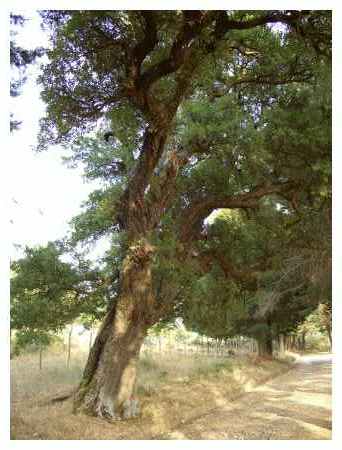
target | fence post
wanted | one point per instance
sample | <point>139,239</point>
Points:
<point>90,338</point>
<point>40,357</point>
<point>69,346</point>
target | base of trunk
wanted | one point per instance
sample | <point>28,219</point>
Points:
<point>265,348</point>
<point>108,386</point>
<point>110,391</point>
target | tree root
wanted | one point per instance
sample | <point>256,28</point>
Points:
<point>58,399</point>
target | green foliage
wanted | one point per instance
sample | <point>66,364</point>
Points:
<point>31,340</point>
<point>319,321</point>
<point>214,306</point>
<point>97,219</point>
<point>91,78</point>
<point>47,294</point>
<point>43,291</point>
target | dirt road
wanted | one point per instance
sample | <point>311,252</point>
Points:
<point>296,405</point>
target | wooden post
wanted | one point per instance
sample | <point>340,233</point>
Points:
<point>90,338</point>
<point>69,346</point>
<point>281,344</point>
<point>40,357</point>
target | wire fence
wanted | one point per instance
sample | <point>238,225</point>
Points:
<point>202,345</point>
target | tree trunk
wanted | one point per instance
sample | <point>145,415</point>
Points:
<point>281,344</point>
<point>265,348</point>
<point>265,339</point>
<point>108,385</point>
<point>302,342</point>
<point>330,337</point>
<point>265,345</point>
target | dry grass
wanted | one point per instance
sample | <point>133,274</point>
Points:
<point>172,389</point>
<point>156,370</point>
<point>31,385</point>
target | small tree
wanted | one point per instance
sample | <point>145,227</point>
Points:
<point>37,339</point>
<point>45,296</point>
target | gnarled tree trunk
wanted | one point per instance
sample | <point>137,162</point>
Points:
<point>108,384</point>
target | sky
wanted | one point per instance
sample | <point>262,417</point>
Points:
<point>44,194</point>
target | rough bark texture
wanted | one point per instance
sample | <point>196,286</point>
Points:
<point>265,342</point>
<point>330,338</point>
<point>108,385</point>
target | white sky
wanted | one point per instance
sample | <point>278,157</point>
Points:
<point>44,193</point>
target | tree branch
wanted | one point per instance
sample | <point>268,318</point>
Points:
<point>180,50</point>
<point>163,188</point>
<point>288,17</point>
<point>199,210</point>
<point>147,44</point>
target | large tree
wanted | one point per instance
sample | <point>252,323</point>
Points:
<point>177,97</point>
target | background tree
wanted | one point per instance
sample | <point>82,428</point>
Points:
<point>47,294</point>
<point>318,322</point>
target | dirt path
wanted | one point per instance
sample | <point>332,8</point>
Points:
<point>293,406</point>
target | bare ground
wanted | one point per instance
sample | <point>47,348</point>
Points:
<point>296,405</point>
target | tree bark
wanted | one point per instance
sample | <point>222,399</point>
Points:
<point>302,341</point>
<point>108,384</point>
<point>265,348</point>
<point>282,346</point>
<point>329,336</point>
<point>265,344</point>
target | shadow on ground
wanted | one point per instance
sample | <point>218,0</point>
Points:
<point>294,406</point>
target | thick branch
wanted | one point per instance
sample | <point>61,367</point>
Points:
<point>133,212</point>
<point>147,44</point>
<point>230,270</point>
<point>288,17</point>
<point>180,50</point>
<point>198,211</point>
<point>193,25</point>
<point>163,189</point>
